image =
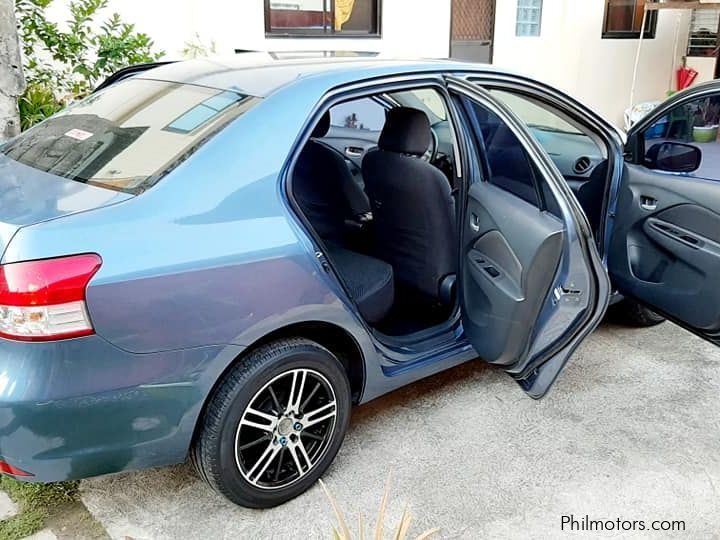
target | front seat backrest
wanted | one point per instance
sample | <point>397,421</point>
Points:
<point>324,188</point>
<point>412,204</point>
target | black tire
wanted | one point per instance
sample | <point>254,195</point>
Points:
<point>632,313</point>
<point>217,452</point>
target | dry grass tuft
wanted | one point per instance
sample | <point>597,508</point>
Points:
<point>342,531</point>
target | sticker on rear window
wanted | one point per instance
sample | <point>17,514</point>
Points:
<point>78,134</point>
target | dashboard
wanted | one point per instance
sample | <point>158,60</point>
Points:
<point>576,155</point>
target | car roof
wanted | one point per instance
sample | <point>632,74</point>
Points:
<point>260,74</point>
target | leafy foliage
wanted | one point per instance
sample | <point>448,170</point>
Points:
<point>36,104</point>
<point>707,112</point>
<point>75,60</point>
<point>22,525</point>
<point>196,48</point>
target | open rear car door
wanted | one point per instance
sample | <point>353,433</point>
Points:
<point>531,282</point>
<point>665,245</point>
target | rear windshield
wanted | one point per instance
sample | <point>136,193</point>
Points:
<point>129,135</point>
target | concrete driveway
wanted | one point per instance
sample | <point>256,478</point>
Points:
<point>631,431</point>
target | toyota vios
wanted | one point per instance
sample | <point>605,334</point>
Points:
<point>218,258</point>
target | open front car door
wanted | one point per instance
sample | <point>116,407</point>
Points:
<point>532,285</point>
<point>665,246</point>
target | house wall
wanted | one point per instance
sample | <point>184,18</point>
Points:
<point>571,54</point>
<point>705,66</point>
<point>412,28</point>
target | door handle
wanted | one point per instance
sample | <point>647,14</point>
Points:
<point>352,151</point>
<point>648,203</point>
<point>475,223</point>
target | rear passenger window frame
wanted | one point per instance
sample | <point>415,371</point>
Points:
<point>480,150</point>
<point>368,89</point>
<point>370,101</point>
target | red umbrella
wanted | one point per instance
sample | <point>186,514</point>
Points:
<point>685,77</point>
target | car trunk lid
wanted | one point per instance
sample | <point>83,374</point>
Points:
<point>29,196</point>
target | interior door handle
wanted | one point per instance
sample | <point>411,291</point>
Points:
<point>353,151</point>
<point>648,203</point>
<point>475,223</point>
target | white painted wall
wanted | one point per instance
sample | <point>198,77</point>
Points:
<point>705,66</point>
<point>571,54</point>
<point>412,28</point>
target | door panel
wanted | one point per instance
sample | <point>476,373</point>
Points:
<point>511,256</point>
<point>665,249</point>
<point>531,282</point>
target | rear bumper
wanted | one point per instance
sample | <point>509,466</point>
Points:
<point>83,407</point>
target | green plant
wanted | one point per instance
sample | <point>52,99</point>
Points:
<point>36,104</point>
<point>22,525</point>
<point>342,531</point>
<point>196,48</point>
<point>707,113</point>
<point>35,501</point>
<point>75,60</point>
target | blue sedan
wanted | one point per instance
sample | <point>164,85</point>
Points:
<point>217,259</point>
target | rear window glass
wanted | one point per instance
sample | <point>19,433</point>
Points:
<point>128,135</point>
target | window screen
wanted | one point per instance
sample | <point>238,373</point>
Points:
<point>703,40</point>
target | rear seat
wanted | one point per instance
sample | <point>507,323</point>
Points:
<point>369,280</point>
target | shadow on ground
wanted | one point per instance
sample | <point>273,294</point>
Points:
<point>631,430</point>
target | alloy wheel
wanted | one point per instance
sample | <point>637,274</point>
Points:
<point>286,428</point>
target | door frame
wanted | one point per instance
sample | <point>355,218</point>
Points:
<point>634,148</point>
<point>634,159</point>
<point>482,42</point>
<point>554,356</point>
<point>432,345</point>
<point>613,137</point>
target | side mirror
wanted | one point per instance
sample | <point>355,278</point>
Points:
<point>673,157</point>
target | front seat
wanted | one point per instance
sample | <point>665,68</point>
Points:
<point>325,189</point>
<point>412,205</point>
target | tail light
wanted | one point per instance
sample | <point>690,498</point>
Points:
<point>6,468</point>
<point>45,300</point>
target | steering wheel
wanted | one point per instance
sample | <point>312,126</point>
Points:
<point>431,153</point>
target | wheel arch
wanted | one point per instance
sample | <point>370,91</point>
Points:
<point>333,337</point>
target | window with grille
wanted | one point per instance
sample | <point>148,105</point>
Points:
<point>529,17</point>
<point>292,18</point>
<point>703,32</point>
<point>623,19</point>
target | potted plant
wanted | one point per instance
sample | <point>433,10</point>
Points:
<point>707,118</point>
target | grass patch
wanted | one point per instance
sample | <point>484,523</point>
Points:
<point>22,525</point>
<point>30,496</point>
<point>35,503</point>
